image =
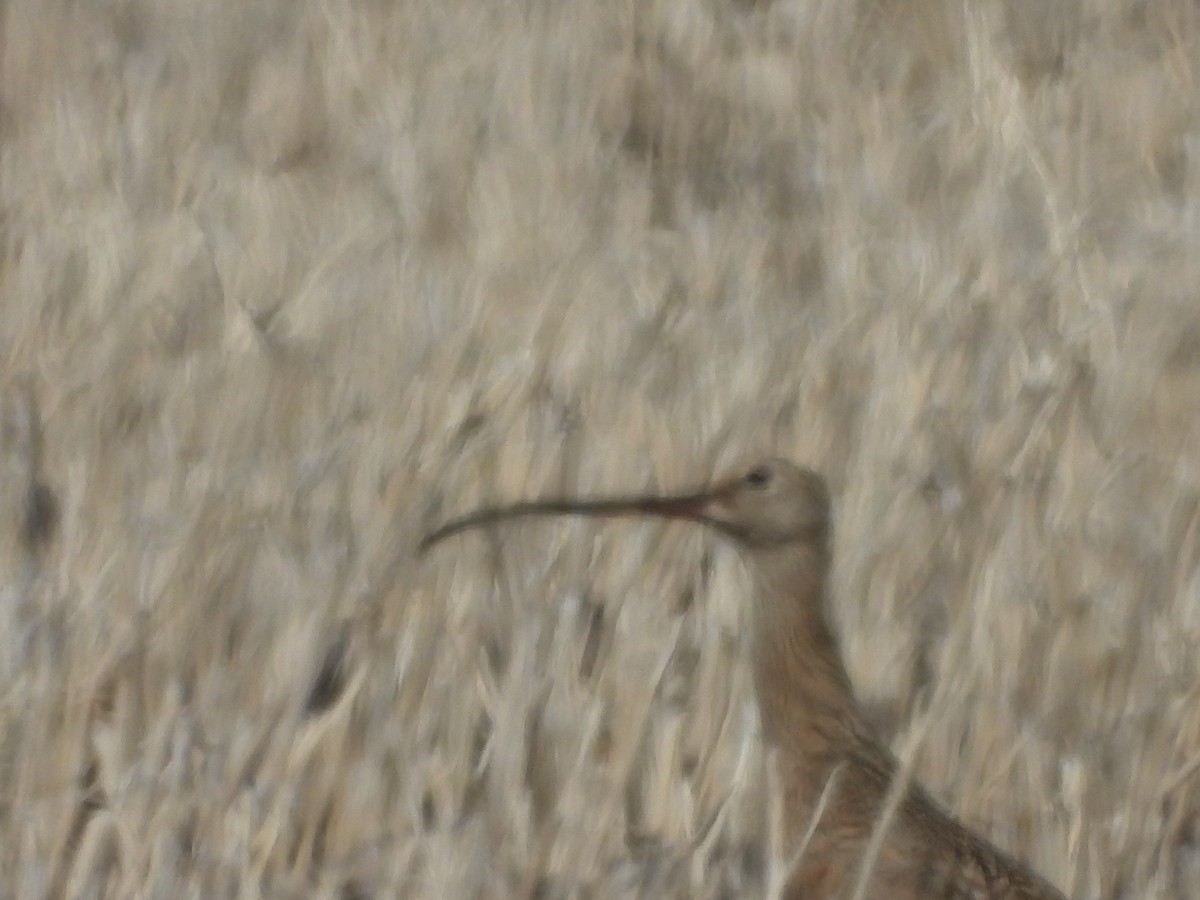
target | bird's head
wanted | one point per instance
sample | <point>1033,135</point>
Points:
<point>768,504</point>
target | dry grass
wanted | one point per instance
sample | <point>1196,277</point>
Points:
<point>289,280</point>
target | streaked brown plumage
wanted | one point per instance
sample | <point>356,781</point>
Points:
<point>778,514</point>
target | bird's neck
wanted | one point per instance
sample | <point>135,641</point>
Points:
<point>806,701</point>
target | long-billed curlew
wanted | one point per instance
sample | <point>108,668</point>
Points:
<point>834,774</point>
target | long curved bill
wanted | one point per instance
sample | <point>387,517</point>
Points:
<point>694,507</point>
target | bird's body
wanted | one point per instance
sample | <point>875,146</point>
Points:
<point>835,776</point>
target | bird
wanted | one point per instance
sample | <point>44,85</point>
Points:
<point>836,777</point>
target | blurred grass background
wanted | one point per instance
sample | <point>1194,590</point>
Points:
<point>283,283</point>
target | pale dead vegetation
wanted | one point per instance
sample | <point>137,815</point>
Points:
<point>287,281</point>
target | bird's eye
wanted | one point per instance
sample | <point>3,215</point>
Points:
<point>759,476</point>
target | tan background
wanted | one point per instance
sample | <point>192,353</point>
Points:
<point>286,282</point>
